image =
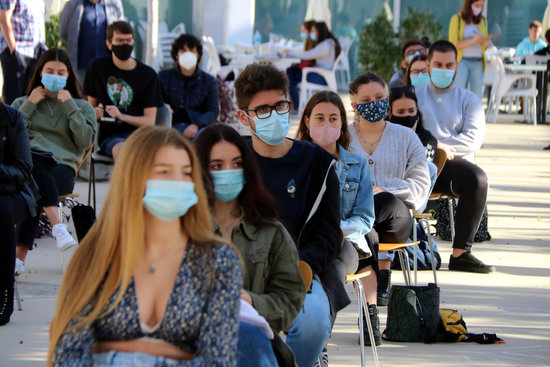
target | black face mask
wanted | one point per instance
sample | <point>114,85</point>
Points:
<point>122,52</point>
<point>407,121</point>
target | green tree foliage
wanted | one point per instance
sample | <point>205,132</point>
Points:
<point>378,47</point>
<point>418,24</point>
<point>52,33</point>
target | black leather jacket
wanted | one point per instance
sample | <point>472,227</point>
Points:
<point>15,157</point>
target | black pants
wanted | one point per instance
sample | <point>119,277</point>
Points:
<point>13,210</point>
<point>53,180</point>
<point>392,223</point>
<point>466,181</point>
<point>17,70</point>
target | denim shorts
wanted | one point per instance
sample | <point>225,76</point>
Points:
<point>136,359</point>
<point>106,146</point>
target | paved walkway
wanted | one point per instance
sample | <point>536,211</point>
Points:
<point>514,302</point>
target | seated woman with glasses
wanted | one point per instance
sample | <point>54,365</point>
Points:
<point>397,161</point>
<point>245,214</point>
<point>417,73</point>
<point>150,284</point>
<point>61,127</point>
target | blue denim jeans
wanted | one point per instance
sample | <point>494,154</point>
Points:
<point>181,126</point>
<point>254,348</point>
<point>126,359</point>
<point>469,75</point>
<point>432,168</point>
<point>311,329</point>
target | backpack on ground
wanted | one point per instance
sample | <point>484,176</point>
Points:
<point>453,329</point>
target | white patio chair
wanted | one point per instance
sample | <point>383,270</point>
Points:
<point>343,76</point>
<point>212,64</point>
<point>307,89</point>
<point>504,87</point>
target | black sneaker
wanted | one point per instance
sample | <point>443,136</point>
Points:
<point>469,263</point>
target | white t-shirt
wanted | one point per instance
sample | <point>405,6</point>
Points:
<point>470,30</point>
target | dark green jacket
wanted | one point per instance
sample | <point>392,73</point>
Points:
<point>270,270</point>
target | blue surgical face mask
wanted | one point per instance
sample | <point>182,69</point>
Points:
<point>168,200</point>
<point>304,36</point>
<point>442,78</point>
<point>313,37</point>
<point>228,184</point>
<point>420,80</point>
<point>373,111</point>
<point>273,129</point>
<point>413,55</point>
<point>53,83</point>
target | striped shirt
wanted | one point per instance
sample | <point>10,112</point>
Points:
<point>27,22</point>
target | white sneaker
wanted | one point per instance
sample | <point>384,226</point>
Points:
<point>19,267</point>
<point>63,238</point>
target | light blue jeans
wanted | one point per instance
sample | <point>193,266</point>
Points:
<point>126,359</point>
<point>469,75</point>
<point>254,347</point>
<point>311,329</point>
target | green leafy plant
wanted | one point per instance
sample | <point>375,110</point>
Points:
<point>379,49</point>
<point>380,45</point>
<point>52,33</point>
<point>418,24</point>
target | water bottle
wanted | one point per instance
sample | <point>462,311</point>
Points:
<point>257,43</point>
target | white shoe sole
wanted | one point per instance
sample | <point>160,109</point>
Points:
<point>66,246</point>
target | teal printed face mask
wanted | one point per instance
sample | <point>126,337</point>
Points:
<point>273,129</point>
<point>228,184</point>
<point>442,78</point>
<point>53,83</point>
<point>168,200</point>
<point>420,80</point>
<point>374,110</point>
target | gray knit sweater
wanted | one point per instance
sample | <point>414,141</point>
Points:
<point>454,116</point>
<point>398,165</point>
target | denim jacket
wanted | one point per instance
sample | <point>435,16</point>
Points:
<point>356,198</point>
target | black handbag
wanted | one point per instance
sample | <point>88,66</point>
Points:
<point>413,314</point>
<point>283,353</point>
<point>83,219</point>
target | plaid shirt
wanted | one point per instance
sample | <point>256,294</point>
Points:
<point>27,22</point>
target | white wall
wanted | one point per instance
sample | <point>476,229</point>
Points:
<point>227,21</point>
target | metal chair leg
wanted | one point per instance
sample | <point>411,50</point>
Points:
<point>17,297</point>
<point>425,223</point>
<point>404,259</point>
<point>415,266</point>
<point>451,219</point>
<point>363,310</point>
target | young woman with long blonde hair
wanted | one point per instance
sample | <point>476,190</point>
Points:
<point>150,284</point>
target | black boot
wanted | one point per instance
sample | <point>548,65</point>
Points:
<point>375,322</point>
<point>384,286</point>
<point>6,305</point>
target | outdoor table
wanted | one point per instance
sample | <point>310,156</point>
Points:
<point>282,63</point>
<point>542,85</point>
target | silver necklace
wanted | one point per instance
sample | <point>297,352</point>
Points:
<point>49,107</point>
<point>371,145</point>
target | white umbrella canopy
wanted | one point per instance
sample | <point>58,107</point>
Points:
<point>546,18</point>
<point>319,11</point>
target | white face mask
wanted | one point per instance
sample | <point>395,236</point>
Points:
<point>187,60</point>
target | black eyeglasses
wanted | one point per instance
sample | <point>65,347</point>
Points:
<point>404,89</point>
<point>265,111</point>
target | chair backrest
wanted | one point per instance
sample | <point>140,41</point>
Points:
<point>338,61</point>
<point>213,64</point>
<point>307,273</point>
<point>536,59</point>
<point>440,159</point>
<point>87,152</point>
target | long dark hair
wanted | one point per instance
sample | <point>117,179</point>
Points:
<point>55,54</point>
<point>407,92</point>
<point>324,33</point>
<point>319,97</point>
<point>467,14</point>
<point>309,44</point>
<point>255,200</point>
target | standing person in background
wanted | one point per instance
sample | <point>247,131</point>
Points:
<point>324,54</point>
<point>534,42</point>
<point>83,25</point>
<point>191,93</point>
<point>468,32</point>
<point>22,41</point>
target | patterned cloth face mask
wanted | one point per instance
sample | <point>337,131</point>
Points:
<point>373,111</point>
